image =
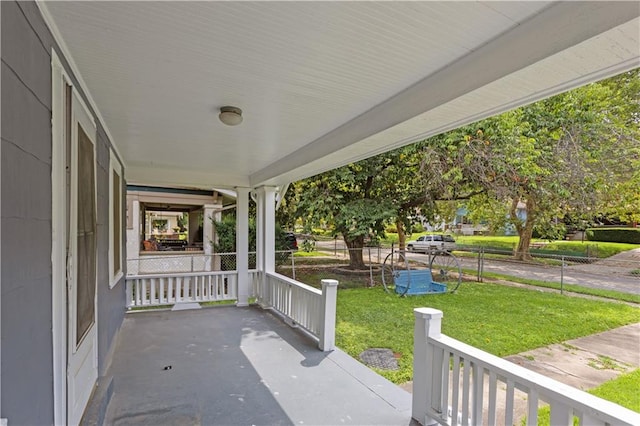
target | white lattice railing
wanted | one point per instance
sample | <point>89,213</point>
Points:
<point>457,384</point>
<point>168,289</point>
<point>305,306</point>
<point>179,262</point>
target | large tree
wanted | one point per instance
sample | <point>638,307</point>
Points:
<point>574,154</point>
<point>357,200</point>
<point>563,155</point>
<point>348,199</point>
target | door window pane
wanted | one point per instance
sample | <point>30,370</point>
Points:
<point>86,239</point>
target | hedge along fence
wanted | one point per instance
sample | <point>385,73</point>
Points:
<point>614,235</point>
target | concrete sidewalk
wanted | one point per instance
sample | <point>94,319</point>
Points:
<point>583,363</point>
<point>589,361</point>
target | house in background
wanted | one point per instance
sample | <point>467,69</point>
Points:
<point>463,225</point>
<point>100,95</point>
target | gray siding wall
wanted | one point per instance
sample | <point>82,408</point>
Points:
<point>26,277</point>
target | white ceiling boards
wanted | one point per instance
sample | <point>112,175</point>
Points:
<point>321,84</point>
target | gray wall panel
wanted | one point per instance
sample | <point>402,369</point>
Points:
<point>19,102</point>
<point>29,57</point>
<point>112,301</point>
<point>27,371</point>
<point>26,238</point>
<point>27,394</point>
<point>23,174</point>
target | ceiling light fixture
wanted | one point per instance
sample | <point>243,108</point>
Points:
<point>231,116</point>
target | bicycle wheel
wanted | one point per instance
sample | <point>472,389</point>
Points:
<point>392,263</point>
<point>387,273</point>
<point>446,269</point>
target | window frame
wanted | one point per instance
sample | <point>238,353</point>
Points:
<point>115,275</point>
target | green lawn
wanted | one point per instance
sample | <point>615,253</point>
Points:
<point>608,294</point>
<point>624,390</point>
<point>593,248</point>
<point>302,253</point>
<point>596,248</point>
<point>498,319</point>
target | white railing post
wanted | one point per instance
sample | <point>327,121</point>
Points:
<point>428,324</point>
<point>129,287</point>
<point>328,315</point>
<point>264,290</point>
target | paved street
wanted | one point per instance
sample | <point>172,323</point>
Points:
<point>601,280</point>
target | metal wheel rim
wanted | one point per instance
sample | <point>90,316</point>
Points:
<point>445,264</point>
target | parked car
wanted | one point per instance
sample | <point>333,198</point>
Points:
<point>432,243</point>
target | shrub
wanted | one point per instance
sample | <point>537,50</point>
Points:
<point>391,229</point>
<point>417,228</point>
<point>614,235</point>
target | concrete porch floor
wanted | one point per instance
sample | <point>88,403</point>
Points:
<point>240,366</point>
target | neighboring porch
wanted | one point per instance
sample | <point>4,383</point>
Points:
<point>228,365</point>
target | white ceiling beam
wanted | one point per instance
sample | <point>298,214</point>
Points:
<point>168,177</point>
<point>557,28</point>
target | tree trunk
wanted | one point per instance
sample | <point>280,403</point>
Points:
<point>402,239</point>
<point>354,246</point>
<point>525,231</point>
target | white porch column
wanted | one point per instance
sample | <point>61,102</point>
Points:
<point>209,237</point>
<point>259,230</point>
<point>242,245</point>
<point>267,231</point>
<point>208,234</point>
<point>134,234</point>
<point>193,226</point>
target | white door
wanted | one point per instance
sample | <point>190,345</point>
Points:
<point>82,356</point>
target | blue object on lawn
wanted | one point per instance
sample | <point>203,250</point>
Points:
<point>419,281</point>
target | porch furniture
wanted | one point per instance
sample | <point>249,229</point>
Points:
<point>417,282</point>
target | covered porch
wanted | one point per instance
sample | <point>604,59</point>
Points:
<point>227,365</point>
<point>253,365</point>
<point>140,86</point>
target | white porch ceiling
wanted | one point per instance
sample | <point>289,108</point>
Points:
<point>321,84</point>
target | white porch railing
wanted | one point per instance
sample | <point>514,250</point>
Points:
<point>168,289</point>
<point>304,306</point>
<point>457,384</point>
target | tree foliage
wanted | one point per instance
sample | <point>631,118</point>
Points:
<point>349,200</point>
<point>572,154</point>
<point>576,154</point>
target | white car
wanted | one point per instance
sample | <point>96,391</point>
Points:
<point>432,243</point>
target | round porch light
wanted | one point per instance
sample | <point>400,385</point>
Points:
<point>231,116</point>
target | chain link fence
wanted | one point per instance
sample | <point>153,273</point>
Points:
<point>560,268</point>
<point>329,264</point>
<point>329,258</point>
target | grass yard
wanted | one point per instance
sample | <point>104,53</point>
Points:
<point>593,248</point>
<point>498,319</point>
<point>598,249</point>
<point>302,253</point>
<point>624,390</point>
<point>573,288</point>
